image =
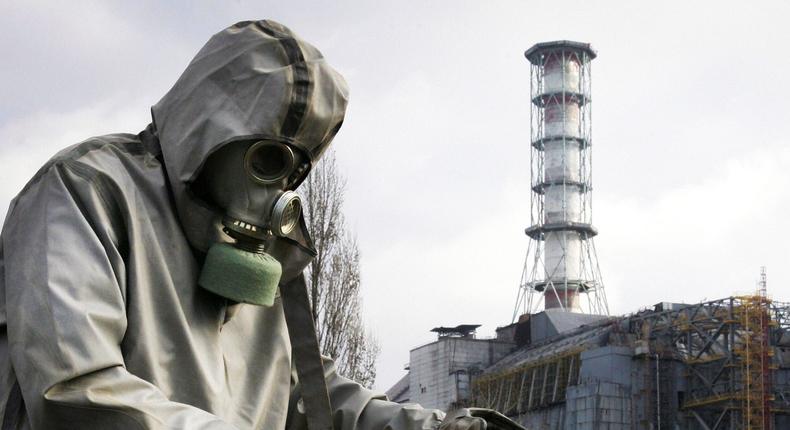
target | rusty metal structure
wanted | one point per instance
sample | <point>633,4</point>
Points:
<point>722,364</point>
<point>727,349</point>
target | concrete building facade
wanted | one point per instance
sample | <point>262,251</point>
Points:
<point>441,372</point>
<point>723,364</point>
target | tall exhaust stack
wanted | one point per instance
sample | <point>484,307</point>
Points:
<point>561,269</point>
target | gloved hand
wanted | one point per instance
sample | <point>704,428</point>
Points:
<point>478,419</point>
<point>462,420</point>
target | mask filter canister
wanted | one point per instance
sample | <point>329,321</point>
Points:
<point>242,271</point>
<point>240,275</point>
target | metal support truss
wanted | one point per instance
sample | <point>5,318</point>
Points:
<point>542,283</point>
<point>530,386</point>
<point>727,348</point>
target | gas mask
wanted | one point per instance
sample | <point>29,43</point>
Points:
<point>251,182</point>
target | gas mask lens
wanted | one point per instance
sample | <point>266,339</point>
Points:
<point>268,161</point>
<point>285,215</point>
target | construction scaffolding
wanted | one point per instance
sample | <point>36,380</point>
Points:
<point>726,349</point>
<point>755,354</point>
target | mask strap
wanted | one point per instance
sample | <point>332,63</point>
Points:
<point>150,141</point>
<point>14,409</point>
<point>306,355</point>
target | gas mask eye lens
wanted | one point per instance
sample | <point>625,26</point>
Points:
<point>268,162</point>
<point>286,212</point>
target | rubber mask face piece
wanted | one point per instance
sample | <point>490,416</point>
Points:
<point>250,182</point>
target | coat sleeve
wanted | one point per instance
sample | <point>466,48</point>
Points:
<point>64,249</point>
<point>358,408</point>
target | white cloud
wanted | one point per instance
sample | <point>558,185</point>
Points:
<point>700,240</point>
<point>28,142</point>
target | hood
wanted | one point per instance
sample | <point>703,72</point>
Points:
<point>253,79</point>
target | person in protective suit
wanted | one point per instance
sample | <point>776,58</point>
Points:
<point>155,280</point>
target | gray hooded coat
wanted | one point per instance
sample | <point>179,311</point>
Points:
<point>102,324</point>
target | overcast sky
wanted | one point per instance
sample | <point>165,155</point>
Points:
<point>690,124</point>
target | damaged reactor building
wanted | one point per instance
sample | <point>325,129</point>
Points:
<point>721,364</point>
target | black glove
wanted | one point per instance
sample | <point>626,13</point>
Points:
<point>478,419</point>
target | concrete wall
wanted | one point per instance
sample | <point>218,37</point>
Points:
<point>608,364</point>
<point>552,418</point>
<point>601,400</point>
<point>598,405</point>
<point>439,372</point>
<point>594,405</point>
<point>426,364</point>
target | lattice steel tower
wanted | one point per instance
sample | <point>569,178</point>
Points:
<point>561,267</point>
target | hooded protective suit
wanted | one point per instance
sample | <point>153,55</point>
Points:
<point>102,324</point>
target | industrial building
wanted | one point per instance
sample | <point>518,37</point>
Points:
<point>721,364</point>
<point>441,372</point>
